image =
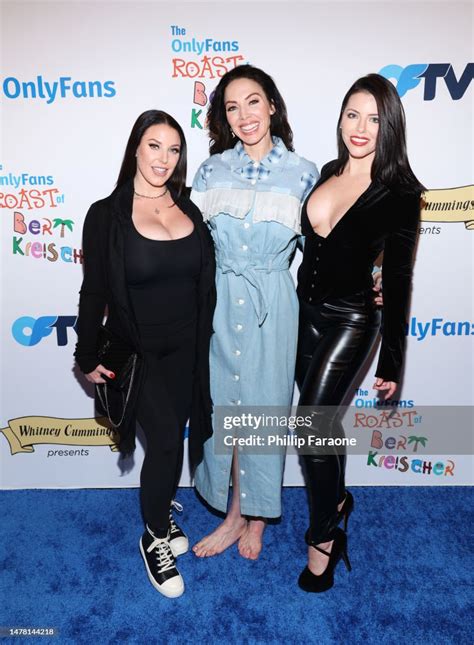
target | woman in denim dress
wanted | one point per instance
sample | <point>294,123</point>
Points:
<point>250,193</point>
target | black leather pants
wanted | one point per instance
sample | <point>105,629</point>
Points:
<point>334,340</point>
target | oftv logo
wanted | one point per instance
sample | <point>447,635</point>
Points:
<point>409,77</point>
<point>30,331</point>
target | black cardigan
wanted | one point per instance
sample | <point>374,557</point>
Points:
<point>104,285</point>
<point>341,263</point>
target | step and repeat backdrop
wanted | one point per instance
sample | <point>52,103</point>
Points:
<point>75,76</point>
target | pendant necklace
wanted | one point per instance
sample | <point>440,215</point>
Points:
<point>156,210</point>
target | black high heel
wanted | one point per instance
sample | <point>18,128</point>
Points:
<point>346,510</point>
<point>312,583</point>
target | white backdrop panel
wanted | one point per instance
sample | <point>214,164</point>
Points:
<point>67,140</point>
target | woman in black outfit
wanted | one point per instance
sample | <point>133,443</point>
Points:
<point>366,201</point>
<point>149,258</point>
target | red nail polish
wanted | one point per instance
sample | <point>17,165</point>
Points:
<point>112,375</point>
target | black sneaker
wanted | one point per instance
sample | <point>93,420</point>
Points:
<point>160,564</point>
<point>179,542</point>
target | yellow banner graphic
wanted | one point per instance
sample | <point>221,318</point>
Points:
<point>25,432</point>
<point>449,205</point>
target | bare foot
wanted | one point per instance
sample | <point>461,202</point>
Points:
<point>250,543</point>
<point>317,562</point>
<point>222,538</point>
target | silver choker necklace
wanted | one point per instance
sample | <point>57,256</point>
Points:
<point>151,197</point>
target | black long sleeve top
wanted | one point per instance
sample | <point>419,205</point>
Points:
<point>341,263</point>
<point>105,287</point>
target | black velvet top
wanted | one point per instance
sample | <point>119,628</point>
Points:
<point>341,263</point>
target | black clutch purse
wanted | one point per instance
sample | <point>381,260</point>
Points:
<point>121,358</point>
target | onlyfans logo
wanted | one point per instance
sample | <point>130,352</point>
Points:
<point>62,88</point>
<point>439,327</point>
<point>407,78</point>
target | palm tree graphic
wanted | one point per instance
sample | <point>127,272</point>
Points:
<point>63,223</point>
<point>416,441</point>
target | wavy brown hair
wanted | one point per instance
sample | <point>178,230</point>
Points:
<point>219,131</point>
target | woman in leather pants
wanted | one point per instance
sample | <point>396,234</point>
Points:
<point>366,201</point>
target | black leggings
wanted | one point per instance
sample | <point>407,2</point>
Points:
<point>334,340</point>
<point>163,409</point>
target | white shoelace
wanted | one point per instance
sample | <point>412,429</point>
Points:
<point>178,507</point>
<point>164,555</point>
<point>173,527</point>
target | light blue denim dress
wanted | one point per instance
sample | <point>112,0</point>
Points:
<point>253,211</point>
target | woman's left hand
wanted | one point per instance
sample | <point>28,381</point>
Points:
<point>388,387</point>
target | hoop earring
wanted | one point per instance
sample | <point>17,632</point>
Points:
<point>232,133</point>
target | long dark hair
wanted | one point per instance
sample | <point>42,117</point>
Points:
<point>177,181</point>
<point>390,165</point>
<point>219,131</point>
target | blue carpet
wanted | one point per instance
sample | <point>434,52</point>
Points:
<point>70,560</point>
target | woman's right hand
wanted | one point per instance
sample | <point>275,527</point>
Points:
<point>96,376</point>
<point>377,288</point>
